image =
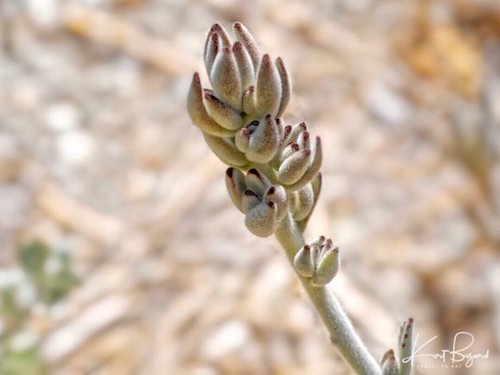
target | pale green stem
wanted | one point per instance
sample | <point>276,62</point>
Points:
<point>338,324</point>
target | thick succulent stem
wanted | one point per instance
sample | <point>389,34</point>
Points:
<point>335,319</point>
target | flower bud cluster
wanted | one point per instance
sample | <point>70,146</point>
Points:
<point>319,261</point>
<point>246,85</point>
<point>263,204</point>
<point>240,121</point>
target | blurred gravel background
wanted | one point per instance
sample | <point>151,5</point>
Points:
<point>98,160</point>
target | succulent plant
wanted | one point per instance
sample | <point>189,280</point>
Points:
<point>273,176</point>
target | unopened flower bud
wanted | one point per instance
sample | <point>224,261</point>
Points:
<point>222,113</point>
<point>286,87</point>
<point>303,262</point>
<point>235,184</point>
<point>389,364</point>
<point>268,88</point>
<point>226,150</point>
<point>294,167</point>
<point>264,141</point>
<point>225,79</point>
<point>313,169</point>
<point>327,267</point>
<point>245,65</point>
<point>199,114</point>
<point>212,48</point>
<point>405,346</point>
<point>303,202</point>
<point>261,220</point>
<point>248,41</point>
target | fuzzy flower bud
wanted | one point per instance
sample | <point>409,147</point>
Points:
<point>264,205</point>
<point>318,261</point>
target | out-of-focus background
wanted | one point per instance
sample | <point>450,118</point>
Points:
<point>120,252</point>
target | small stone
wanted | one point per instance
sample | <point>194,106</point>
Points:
<point>62,116</point>
<point>75,147</point>
<point>226,338</point>
<point>386,105</point>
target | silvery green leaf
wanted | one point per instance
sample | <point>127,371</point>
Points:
<point>235,184</point>
<point>267,89</point>
<point>198,112</point>
<point>225,149</point>
<point>286,87</point>
<point>225,79</point>
<point>294,167</point>
<point>264,141</point>
<point>222,113</point>
<point>248,41</point>
<point>261,220</point>
<point>303,262</point>
<point>245,65</point>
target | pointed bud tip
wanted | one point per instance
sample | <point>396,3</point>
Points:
<point>237,46</point>
<point>270,204</point>
<point>254,171</point>
<point>229,172</point>
<point>271,190</point>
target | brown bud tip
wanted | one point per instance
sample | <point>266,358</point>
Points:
<point>226,50</point>
<point>410,321</point>
<point>271,190</point>
<point>254,171</point>
<point>329,242</point>
<point>196,77</point>
<point>307,248</point>
<point>215,27</point>
<point>270,204</point>
<point>229,172</point>
<point>215,40</point>
<point>237,46</point>
<point>268,116</point>
<point>303,125</point>
<point>287,131</point>
<point>295,147</point>
<point>249,193</point>
<point>306,136</point>
<point>322,238</point>
<point>306,152</point>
